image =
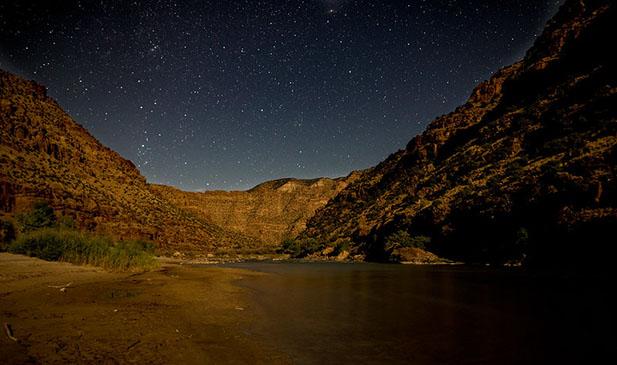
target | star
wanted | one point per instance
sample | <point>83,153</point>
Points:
<point>260,84</point>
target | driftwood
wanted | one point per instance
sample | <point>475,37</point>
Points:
<point>9,331</point>
<point>61,287</point>
<point>133,344</point>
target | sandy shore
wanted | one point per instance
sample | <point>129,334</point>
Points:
<point>177,314</point>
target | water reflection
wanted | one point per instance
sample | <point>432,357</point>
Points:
<point>372,313</point>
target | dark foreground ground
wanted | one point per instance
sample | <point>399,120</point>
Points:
<point>177,315</point>
<point>303,313</point>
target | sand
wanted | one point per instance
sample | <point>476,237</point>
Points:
<point>175,315</point>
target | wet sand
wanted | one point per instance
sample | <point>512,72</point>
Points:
<point>304,313</point>
<point>174,315</point>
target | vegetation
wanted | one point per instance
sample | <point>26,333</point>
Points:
<point>401,238</point>
<point>300,247</point>
<point>62,244</point>
<point>41,216</point>
<point>341,245</point>
<point>47,237</point>
<point>65,222</point>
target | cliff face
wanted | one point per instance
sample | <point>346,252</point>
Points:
<point>269,212</point>
<point>525,168</point>
<point>44,154</point>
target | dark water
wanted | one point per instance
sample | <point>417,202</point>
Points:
<point>370,313</point>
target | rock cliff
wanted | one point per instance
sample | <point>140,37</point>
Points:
<point>525,169</point>
<point>45,155</point>
<point>270,212</point>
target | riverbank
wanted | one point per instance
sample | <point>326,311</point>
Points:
<point>63,313</point>
<point>301,312</point>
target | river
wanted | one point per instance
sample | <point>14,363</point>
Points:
<point>374,313</point>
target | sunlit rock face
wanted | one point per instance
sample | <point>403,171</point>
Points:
<point>269,212</point>
<point>525,169</point>
<point>45,155</point>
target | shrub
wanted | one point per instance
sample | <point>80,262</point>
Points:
<point>41,216</point>
<point>61,244</point>
<point>521,237</point>
<point>290,246</point>
<point>65,222</point>
<point>300,247</point>
<point>341,245</point>
<point>401,238</point>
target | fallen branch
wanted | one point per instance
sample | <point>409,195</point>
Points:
<point>133,344</point>
<point>61,287</point>
<point>9,331</point>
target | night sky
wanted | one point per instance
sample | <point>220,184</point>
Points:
<point>227,94</point>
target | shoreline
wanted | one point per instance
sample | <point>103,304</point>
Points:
<point>64,313</point>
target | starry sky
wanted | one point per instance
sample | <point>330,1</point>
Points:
<point>226,94</point>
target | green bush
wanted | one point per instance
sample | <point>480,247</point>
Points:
<point>41,216</point>
<point>521,237</point>
<point>341,245</point>
<point>400,239</point>
<point>65,222</point>
<point>300,247</point>
<point>61,244</point>
<point>290,246</point>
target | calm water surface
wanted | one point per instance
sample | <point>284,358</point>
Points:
<point>371,313</point>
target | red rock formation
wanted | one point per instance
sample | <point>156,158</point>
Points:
<point>525,168</point>
<point>7,197</point>
<point>269,212</point>
<point>45,155</point>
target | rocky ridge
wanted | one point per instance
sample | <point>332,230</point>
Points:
<point>524,170</point>
<point>269,212</point>
<point>45,155</point>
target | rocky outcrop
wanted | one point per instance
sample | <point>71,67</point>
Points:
<point>525,169</point>
<point>45,155</point>
<point>270,212</point>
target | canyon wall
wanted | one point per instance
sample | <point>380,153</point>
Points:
<point>45,155</point>
<point>524,170</point>
<point>270,212</point>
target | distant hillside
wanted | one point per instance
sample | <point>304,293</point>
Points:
<point>524,169</point>
<point>270,212</point>
<point>45,155</point>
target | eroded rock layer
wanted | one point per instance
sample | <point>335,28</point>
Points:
<point>270,212</point>
<point>524,169</point>
<point>45,155</point>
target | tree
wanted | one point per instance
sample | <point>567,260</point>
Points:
<point>401,238</point>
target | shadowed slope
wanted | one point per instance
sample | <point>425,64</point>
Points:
<point>525,168</point>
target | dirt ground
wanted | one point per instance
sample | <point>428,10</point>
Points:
<point>175,315</point>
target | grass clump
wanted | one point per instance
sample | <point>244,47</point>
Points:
<point>63,244</point>
<point>400,239</point>
<point>298,248</point>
